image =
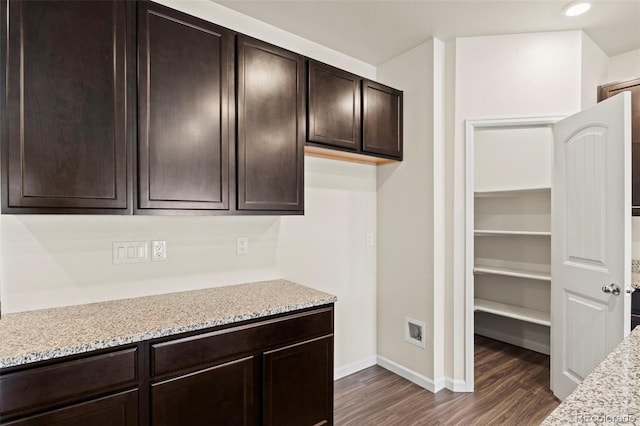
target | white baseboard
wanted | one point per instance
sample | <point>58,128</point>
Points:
<point>456,385</point>
<point>354,367</point>
<point>514,340</point>
<point>410,375</point>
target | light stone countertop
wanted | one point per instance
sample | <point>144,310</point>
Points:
<point>51,333</point>
<point>610,394</point>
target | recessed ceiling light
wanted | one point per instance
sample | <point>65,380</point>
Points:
<point>577,8</point>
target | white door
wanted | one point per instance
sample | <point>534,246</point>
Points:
<point>591,240</point>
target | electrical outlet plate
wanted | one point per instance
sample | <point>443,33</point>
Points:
<point>414,332</point>
<point>242,245</point>
<point>370,239</point>
<point>130,252</point>
<point>159,250</point>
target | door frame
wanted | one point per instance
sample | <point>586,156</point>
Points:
<point>471,126</point>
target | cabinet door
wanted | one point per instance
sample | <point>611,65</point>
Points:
<point>333,109</point>
<point>114,410</point>
<point>67,121</point>
<point>298,384</point>
<point>613,89</point>
<point>185,76</point>
<point>270,127</point>
<point>220,395</point>
<point>382,120</point>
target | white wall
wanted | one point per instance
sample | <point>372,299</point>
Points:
<point>495,77</point>
<point>625,66</point>
<point>410,252</point>
<point>50,261</point>
<point>60,260</point>
<point>595,71</point>
<point>327,249</point>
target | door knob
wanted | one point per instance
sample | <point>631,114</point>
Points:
<point>611,288</point>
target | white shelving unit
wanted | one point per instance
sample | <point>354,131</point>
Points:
<point>512,236</point>
<point>510,192</point>
<point>512,272</point>
<point>501,232</point>
<point>511,311</point>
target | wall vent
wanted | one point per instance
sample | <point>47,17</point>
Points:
<point>414,332</point>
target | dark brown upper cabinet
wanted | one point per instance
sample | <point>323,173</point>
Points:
<point>351,118</point>
<point>333,111</point>
<point>66,115</point>
<point>633,86</point>
<point>185,92</point>
<point>270,121</point>
<point>381,120</point>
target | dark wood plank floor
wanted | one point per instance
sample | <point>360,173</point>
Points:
<point>511,388</point>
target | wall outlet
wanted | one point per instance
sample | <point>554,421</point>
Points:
<point>414,332</point>
<point>159,250</point>
<point>242,245</point>
<point>370,240</point>
<point>130,252</point>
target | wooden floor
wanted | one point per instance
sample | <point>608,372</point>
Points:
<point>511,388</point>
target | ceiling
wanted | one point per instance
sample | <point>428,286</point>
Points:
<point>376,31</point>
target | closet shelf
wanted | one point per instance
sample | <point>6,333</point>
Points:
<point>499,232</point>
<point>512,272</point>
<point>512,311</point>
<point>514,192</point>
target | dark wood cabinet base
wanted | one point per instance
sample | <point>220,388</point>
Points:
<point>276,370</point>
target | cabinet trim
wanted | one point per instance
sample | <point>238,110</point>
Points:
<point>352,157</point>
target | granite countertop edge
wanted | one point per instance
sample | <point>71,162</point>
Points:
<point>609,394</point>
<point>31,357</point>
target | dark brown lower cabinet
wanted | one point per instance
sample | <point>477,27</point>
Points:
<point>298,384</point>
<point>276,370</point>
<point>221,395</point>
<point>119,409</point>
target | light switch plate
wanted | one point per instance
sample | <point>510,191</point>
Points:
<point>130,252</point>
